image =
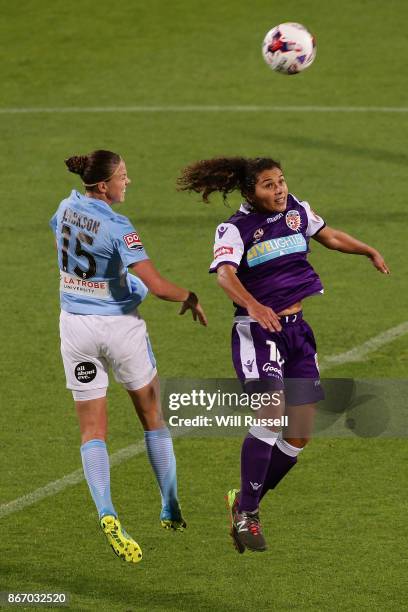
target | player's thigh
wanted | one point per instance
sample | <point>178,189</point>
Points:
<point>129,351</point>
<point>86,369</point>
<point>146,401</point>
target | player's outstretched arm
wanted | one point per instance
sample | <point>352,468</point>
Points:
<point>340,241</point>
<point>266,317</point>
<point>166,290</point>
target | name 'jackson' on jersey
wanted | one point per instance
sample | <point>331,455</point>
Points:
<point>95,247</point>
<point>270,252</point>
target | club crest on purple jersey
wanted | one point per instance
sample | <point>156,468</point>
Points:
<point>221,231</point>
<point>258,233</point>
<point>293,220</point>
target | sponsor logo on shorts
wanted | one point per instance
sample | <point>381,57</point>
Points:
<point>249,364</point>
<point>223,250</point>
<point>85,371</point>
<point>133,241</point>
<point>293,220</point>
<point>221,231</point>
<point>270,369</point>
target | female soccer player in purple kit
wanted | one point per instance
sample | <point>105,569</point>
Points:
<point>260,257</point>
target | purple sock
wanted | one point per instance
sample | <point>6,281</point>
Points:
<point>279,465</point>
<point>255,460</point>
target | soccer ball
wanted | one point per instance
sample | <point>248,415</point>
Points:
<point>289,48</point>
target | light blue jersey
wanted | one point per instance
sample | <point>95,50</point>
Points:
<point>95,247</point>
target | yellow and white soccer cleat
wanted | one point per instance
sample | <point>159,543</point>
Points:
<point>123,545</point>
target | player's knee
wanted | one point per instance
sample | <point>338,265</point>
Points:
<point>88,435</point>
<point>297,442</point>
<point>87,395</point>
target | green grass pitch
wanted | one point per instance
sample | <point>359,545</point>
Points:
<point>336,526</point>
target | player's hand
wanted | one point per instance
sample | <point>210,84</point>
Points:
<point>192,304</point>
<point>378,262</point>
<point>265,316</point>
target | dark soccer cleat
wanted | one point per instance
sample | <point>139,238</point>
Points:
<point>246,530</point>
<point>232,499</point>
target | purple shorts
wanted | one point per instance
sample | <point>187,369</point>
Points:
<point>278,360</point>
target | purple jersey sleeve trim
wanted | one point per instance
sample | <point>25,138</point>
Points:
<point>319,230</point>
<point>222,263</point>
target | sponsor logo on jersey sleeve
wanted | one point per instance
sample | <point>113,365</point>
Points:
<point>221,231</point>
<point>133,241</point>
<point>223,250</point>
<point>293,220</point>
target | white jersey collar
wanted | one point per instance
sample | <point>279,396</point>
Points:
<point>246,208</point>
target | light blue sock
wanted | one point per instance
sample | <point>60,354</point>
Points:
<point>159,447</point>
<point>95,461</point>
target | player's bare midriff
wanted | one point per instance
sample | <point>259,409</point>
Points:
<point>291,310</point>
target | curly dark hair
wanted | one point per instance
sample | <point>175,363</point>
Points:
<point>224,174</point>
<point>95,167</point>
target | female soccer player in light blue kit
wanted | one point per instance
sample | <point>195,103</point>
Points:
<point>100,327</point>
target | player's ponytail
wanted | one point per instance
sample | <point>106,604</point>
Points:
<point>76,164</point>
<point>224,174</point>
<point>96,167</point>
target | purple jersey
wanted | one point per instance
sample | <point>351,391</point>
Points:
<point>270,252</point>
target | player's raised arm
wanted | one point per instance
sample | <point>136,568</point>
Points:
<point>340,241</point>
<point>166,290</point>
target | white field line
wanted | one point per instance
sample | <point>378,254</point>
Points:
<point>52,488</point>
<point>194,108</point>
<point>359,352</point>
